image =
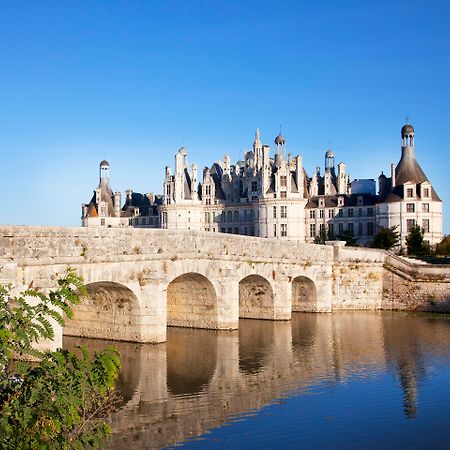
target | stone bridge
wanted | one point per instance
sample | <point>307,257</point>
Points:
<point>141,281</point>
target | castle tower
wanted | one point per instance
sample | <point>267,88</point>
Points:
<point>280,150</point>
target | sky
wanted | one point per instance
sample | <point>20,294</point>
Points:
<point>133,81</point>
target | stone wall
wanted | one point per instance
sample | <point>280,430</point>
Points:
<point>415,287</point>
<point>357,278</point>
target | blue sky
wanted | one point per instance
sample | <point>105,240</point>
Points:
<point>132,81</point>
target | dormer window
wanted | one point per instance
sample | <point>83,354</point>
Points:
<point>321,202</point>
<point>340,201</point>
<point>409,192</point>
<point>426,192</point>
<point>283,180</point>
<point>360,200</point>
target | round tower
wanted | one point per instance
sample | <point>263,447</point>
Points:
<point>329,160</point>
<point>407,135</point>
<point>104,170</point>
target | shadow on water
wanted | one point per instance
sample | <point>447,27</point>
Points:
<point>201,379</point>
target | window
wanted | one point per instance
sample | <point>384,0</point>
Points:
<point>331,230</point>
<point>321,213</point>
<point>410,207</point>
<point>340,212</point>
<point>229,230</point>
<point>312,214</point>
<point>236,231</point>
<point>208,201</point>
<point>284,229</point>
<point>252,231</point>
<point>370,212</point>
<point>360,212</point>
<point>102,222</point>
<point>283,212</point>
<point>230,216</point>
<point>254,186</point>
<point>274,212</point>
<point>222,230</point>
<point>425,207</point>
<point>370,228</point>
<point>312,229</point>
<point>341,228</point>
<point>426,225</point>
<point>245,230</point>
<point>426,192</point>
<point>207,217</point>
<point>410,223</point>
<point>283,180</point>
<point>321,228</point>
<point>283,194</point>
<point>251,214</point>
<point>409,192</point>
<point>275,230</point>
<point>236,216</point>
<point>351,227</point>
<point>350,212</point>
<point>360,229</point>
<point>331,213</point>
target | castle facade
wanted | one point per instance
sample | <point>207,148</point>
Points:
<point>273,197</point>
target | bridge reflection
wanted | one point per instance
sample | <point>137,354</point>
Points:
<point>199,378</point>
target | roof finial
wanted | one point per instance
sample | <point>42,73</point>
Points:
<point>407,119</point>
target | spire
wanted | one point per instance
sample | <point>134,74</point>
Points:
<point>257,141</point>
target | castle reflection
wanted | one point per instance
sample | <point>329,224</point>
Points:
<point>200,378</point>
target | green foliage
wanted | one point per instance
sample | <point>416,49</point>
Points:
<point>347,235</point>
<point>414,242</point>
<point>62,400</point>
<point>443,248</point>
<point>323,236</point>
<point>386,238</point>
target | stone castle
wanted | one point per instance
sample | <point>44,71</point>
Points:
<point>273,197</point>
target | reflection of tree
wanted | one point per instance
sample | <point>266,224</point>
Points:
<point>404,355</point>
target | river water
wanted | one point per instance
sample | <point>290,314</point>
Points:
<point>343,380</point>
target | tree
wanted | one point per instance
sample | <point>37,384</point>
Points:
<point>414,242</point>
<point>62,400</point>
<point>386,238</point>
<point>347,235</point>
<point>443,248</point>
<point>323,236</point>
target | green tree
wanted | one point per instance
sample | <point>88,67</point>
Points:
<point>386,238</point>
<point>347,235</point>
<point>322,236</point>
<point>414,242</point>
<point>61,400</point>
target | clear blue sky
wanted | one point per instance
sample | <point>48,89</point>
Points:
<point>132,81</point>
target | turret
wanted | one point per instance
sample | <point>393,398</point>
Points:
<point>117,197</point>
<point>342,179</point>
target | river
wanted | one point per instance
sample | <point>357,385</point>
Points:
<point>342,380</point>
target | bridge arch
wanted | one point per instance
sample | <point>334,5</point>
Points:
<point>108,310</point>
<point>192,302</point>
<point>304,295</point>
<point>256,298</point>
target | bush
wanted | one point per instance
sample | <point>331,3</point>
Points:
<point>62,400</point>
<point>443,248</point>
